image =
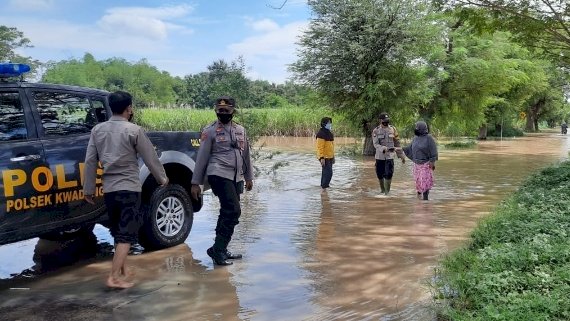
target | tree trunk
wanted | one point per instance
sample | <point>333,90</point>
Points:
<point>498,129</point>
<point>532,116</point>
<point>368,148</point>
<point>482,132</point>
<point>529,122</point>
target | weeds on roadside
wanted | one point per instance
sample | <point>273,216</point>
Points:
<point>516,264</point>
<point>461,144</point>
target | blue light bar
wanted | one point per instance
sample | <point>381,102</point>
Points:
<point>13,70</point>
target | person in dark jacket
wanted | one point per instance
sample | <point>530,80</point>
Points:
<point>423,152</point>
<point>325,151</point>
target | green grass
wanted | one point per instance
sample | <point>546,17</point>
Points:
<point>516,264</point>
<point>258,122</point>
<point>461,144</point>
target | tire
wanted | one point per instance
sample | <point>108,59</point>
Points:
<point>69,234</point>
<point>168,218</point>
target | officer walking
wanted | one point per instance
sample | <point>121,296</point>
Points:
<point>116,144</point>
<point>224,158</point>
<point>387,144</point>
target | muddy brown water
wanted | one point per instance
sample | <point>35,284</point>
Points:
<point>346,254</point>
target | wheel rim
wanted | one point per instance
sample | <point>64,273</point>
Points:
<point>170,216</point>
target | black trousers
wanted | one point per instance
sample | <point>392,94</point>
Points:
<point>384,168</point>
<point>327,173</point>
<point>227,192</point>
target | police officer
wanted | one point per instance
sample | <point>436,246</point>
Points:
<point>224,158</point>
<point>387,144</point>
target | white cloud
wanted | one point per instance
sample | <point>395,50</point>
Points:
<point>121,31</point>
<point>60,36</point>
<point>277,43</point>
<point>145,27</point>
<point>264,25</point>
<point>270,51</point>
<point>143,22</point>
<point>31,4</point>
<point>158,13</point>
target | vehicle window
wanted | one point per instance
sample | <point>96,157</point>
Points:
<point>12,122</point>
<point>64,113</point>
<point>98,109</point>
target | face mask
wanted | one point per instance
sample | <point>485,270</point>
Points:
<point>328,126</point>
<point>417,132</point>
<point>385,123</point>
<point>225,118</point>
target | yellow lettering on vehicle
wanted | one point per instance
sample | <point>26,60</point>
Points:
<point>28,203</point>
<point>43,179</point>
<point>48,179</point>
<point>12,178</point>
<point>61,182</point>
<point>195,142</point>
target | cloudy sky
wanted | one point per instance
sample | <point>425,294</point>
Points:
<point>180,36</point>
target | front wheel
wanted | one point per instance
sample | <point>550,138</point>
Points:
<point>168,218</point>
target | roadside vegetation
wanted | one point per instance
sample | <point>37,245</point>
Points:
<point>516,263</point>
<point>258,121</point>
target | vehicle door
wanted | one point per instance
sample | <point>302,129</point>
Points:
<point>24,179</point>
<point>66,121</point>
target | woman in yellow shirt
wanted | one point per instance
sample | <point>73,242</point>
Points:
<point>325,151</point>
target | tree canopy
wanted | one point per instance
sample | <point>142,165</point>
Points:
<point>11,39</point>
<point>540,24</point>
<point>416,61</point>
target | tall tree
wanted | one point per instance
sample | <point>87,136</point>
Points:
<point>149,86</point>
<point>541,24</point>
<point>229,79</point>
<point>368,56</point>
<point>11,39</point>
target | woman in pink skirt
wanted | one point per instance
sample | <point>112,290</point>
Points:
<point>423,152</point>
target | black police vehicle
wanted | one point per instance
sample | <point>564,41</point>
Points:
<point>44,131</point>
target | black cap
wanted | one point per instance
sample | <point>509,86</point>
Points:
<point>225,101</point>
<point>384,116</point>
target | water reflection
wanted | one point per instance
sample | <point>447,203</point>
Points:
<point>171,285</point>
<point>340,255</point>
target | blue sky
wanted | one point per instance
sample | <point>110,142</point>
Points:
<point>181,36</point>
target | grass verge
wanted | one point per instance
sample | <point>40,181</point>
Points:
<point>516,264</point>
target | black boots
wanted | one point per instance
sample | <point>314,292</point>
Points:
<point>221,258</point>
<point>219,252</point>
<point>218,257</point>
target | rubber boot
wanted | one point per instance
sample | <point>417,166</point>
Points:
<point>218,251</point>
<point>426,195</point>
<point>387,183</point>
<point>382,187</point>
<point>221,244</point>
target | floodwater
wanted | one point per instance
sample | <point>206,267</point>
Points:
<point>345,254</point>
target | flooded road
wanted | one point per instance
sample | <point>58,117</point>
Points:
<point>341,255</point>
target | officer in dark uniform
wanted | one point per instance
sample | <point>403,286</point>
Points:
<point>387,144</point>
<point>224,159</point>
